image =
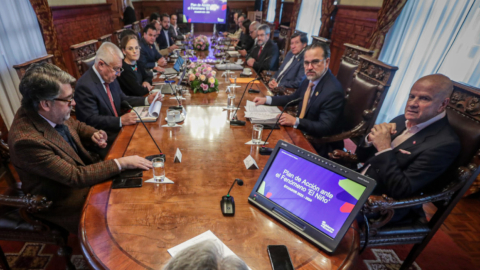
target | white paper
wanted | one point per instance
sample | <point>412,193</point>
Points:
<point>249,162</point>
<point>178,155</point>
<point>180,98</point>
<point>208,235</point>
<point>251,143</point>
<point>165,181</point>
<point>156,106</point>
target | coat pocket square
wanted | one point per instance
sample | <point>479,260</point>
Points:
<point>404,152</point>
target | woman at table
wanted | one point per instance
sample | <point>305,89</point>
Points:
<point>246,41</point>
<point>134,80</point>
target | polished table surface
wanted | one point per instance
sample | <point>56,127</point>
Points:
<point>134,228</point>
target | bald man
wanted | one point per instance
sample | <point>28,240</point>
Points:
<point>409,155</point>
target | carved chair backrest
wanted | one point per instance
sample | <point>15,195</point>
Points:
<point>118,36</point>
<point>272,29</point>
<point>368,89</point>
<point>284,41</point>
<point>105,38</point>
<point>136,28</point>
<point>143,23</point>
<point>21,68</point>
<point>317,39</point>
<point>83,52</point>
<point>128,26</point>
<point>349,63</point>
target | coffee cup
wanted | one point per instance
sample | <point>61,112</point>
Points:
<point>247,71</point>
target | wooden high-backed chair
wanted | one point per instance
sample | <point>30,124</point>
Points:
<point>317,39</point>
<point>369,86</point>
<point>128,26</point>
<point>349,64</point>
<point>21,68</point>
<point>272,29</point>
<point>104,38</point>
<point>143,23</point>
<point>284,42</point>
<point>118,34</point>
<point>83,55</point>
<point>463,113</point>
<point>136,29</point>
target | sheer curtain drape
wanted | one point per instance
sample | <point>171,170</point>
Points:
<point>20,41</point>
<point>309,18</point>
<point>417,44</point>
<point>272,5</point>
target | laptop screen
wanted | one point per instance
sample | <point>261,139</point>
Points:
<point>178,64</point>
<point>319,196</point>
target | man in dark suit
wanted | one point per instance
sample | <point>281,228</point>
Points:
<point>175,30</point>
<point>322,96</point>
<point>98,94</point>
<point>265,55</point>
<point>150,58</point>
<point>49,149</point>
<point>165,39</point>
<point>412,152</point>
<point>291,73</point>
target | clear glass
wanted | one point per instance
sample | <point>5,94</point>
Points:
<point>231,100</point>
<point>234,77</point>
<point>257,133</point>
<point>171,117</point>
<point>158,169</point>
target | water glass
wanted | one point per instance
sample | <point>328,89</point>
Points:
<point>257,134</point>
<point>234,77</point>
<point>158,169</point>
<point>171,117</point>
<point>231,100</point>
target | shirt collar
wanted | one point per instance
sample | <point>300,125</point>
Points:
<point>425,124</point>
<point>317,80</point>
<point>96,72</point>
<point>296,55</point>
<point>50,122</point>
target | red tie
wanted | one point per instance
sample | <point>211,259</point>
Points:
<point>109,94</point>
<point>260,51</point>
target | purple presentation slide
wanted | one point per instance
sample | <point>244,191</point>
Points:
<point>320,197</point>
<point>204,11</point>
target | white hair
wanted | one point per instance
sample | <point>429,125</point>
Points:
<point>107,52</point>
<point>202,256</point>
<point>129,4</point>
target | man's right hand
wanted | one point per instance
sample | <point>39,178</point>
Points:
<point>129,119</point>
<point>134,162</point>
<point>243,52</point>
<point>162,61</point>
<point>159,69</point>
<point>272,84</point>
<point>259,100</point>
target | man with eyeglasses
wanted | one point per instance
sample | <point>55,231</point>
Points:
<point>264,56</point>
<point>319,113</point>
<point>50,150</point>
<point>98,94</point>
<point>253,29</point>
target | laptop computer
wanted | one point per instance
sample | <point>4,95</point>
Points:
<point>313,196</point>
<point>169,90</point>
<point>176,67</point>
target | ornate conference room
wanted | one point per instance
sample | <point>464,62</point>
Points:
<point>228,134</point>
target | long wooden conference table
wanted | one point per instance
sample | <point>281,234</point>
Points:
<point>133,228</point>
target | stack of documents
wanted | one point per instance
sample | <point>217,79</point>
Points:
<point>150,113</point>
<point>261,114</point>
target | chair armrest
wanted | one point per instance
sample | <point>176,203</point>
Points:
<point>347,159</point>
<point>29,203</point>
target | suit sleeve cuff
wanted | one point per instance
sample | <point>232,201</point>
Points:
<point>269,100</point>
<point>146,101</point>
<point>120,121</point>
<point>156,64</point>
<point>297,122</point>
<point>367,142</point>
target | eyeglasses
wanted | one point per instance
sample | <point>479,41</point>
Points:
<point>134,48</point>
<point>69,101</point>
<point>314,63</point>
<point>117,70</point>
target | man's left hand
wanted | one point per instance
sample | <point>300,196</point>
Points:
<point>151,97</point>
<point>381,136</point>
<point>287,120</point>
<point>147,85</point>
<point>242,52</point>
<point>250,62</point>
<point>100,138</point>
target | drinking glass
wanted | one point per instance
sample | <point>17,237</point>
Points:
<point>234,77</point>
<point>158,169</point>
<point>257,134</point>
<point>231,100</point>
<point>171,117</point>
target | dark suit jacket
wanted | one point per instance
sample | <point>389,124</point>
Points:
<point>148,55</point>
<point>268,59</point>
<point>176,36</point>
<point>129,16</point>
<point>246,42</point>
<point>131,81</point>
<point>93,105</point>
<point>162,39</point>
<point>325,108</point>
<point>49,166</point>
<point>295,73</point>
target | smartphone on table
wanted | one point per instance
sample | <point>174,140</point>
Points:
<point>279,257</point>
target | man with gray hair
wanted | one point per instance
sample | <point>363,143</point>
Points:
<point>48,148</point>
<point>206,255</point>
<point>98,94</point>
<point>265,55</point>
<point>253,33</point>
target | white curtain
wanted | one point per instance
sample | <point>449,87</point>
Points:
<point>272,6</point>
<point>20,41</point>
<point>309,18</point>
<point>417,44</point>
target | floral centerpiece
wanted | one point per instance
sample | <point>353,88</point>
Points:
<point>201,43</point>
<point>202,78</point>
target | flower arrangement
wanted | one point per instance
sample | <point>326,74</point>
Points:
<point>201,43</point>
<point>202,78</point>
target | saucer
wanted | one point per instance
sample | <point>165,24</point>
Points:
<point>247,74</point>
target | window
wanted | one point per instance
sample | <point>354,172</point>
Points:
<point>310,9</point>
<point>272,5</point>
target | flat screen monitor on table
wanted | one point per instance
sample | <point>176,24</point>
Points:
<point>316,198</point>
<point>204,11</point>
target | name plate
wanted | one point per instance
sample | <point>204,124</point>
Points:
<point>178,156</point>
<point>250,163</point>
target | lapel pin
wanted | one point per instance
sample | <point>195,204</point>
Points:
<point>316,94</point>
<point>414,142</point>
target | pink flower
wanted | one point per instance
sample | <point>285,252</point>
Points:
<point>212,85</point>
<point>203,47</point>
<point>191,77</point>
<point>209,75</point>
<point>204,87</point>
<point>197,74</point>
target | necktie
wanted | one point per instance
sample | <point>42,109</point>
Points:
<point>109,94</point>
<point>260,51</point>
<point>306,97</point>
<point>285,69</point>
<point>63,131</point>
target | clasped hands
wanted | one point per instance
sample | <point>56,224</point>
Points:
<point>100,138</point>
<point>381,135</point>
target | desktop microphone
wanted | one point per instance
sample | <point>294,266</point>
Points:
<point>235,121</point>
<point>227,204</point>
<point>179,107</point>
<point>265,151</point>
<point>125,104</point>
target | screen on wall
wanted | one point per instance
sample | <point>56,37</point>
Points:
<point>204,11</point>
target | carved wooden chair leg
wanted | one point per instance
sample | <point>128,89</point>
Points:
<point>3,260</point>
<point>66,252</point>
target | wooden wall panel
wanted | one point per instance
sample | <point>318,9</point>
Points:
<point>354,25</point>
<point>287,12</point>
<point>75,24</point>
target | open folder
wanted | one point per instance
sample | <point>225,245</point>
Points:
<point>152,112</point>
